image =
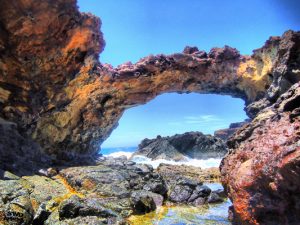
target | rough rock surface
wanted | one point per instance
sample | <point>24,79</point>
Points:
<point>171,173</point>
<point>262,170</point>
<point>194,145</point>
<point>185,184</point>
<point>54,89</point>
<point>53,86</point>
<point>106,193</point>
<point>225,134</point>
<point>18,152</point>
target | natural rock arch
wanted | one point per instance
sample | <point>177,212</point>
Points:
<point>54,87</point>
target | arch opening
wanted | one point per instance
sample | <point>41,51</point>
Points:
<point>172,113</point>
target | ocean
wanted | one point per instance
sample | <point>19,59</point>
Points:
<point>128,151</point>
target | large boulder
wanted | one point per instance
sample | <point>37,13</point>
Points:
<point>193,145</point>
<point>261,173</point>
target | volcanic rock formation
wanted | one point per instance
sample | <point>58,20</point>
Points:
<point>53,86</point>
<point>262,170</point>
<point>105,193</point>
<point>226,133</point>
<point>54,92</point>
<point>193,145</point>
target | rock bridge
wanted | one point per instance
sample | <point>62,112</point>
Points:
<point>54,87</point>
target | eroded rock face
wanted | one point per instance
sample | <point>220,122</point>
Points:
<point>54,88</point>
<point>261,171</point>
<point>178,147</point>
<point>226,133</point>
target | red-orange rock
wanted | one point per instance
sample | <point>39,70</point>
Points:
<point>262,170</point>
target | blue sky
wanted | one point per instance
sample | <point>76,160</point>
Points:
<point>136,28</point>
<point>173,113</point>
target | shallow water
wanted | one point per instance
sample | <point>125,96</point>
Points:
<point>211,214</point>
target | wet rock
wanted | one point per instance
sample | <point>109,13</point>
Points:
<point>158,187</point>
<point>214,198</point>
<point>180,194</point>
<point>221,192</point>
<point>145,201</point>
<point>199,201</point>
<point>200,191</point>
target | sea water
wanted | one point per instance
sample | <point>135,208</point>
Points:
<point>128,151</point>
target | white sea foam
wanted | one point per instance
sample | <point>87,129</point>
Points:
<point>119,154</point>
<point>203,163</point>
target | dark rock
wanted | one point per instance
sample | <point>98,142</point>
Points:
<point>180,194</point>
<point>221,193</point>
<point>214,198</point>
<point>193,176</point>
<point>200,191</point>
<point>199,201</point>
<point>93,207</point>
<point>187,182</point>
<point>158,187</point>
<point>191,144</point>
<point>18,153</point>
<point>190,50</point>
<point>70,207</point>
<point>41,215</point>
<point>201,54</point>
<point>145,201</point>
<point>225,134</point>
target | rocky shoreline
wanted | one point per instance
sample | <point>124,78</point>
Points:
<point>108,192</point>
<point>58,103</point>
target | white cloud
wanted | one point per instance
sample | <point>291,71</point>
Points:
<point>202,119</point>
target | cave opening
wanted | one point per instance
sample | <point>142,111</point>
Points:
<point>170,114</point>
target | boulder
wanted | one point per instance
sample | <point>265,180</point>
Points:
<point>145,201</point>
<point>180,146</point>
